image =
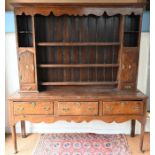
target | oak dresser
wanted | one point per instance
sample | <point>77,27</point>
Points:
<point>77,61</point>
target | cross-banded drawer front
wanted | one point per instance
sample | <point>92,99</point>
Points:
<point>33,108</point>
<point>122,107</point>
<point>76,108</point>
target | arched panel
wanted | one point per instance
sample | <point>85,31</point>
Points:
<point>26,67</point>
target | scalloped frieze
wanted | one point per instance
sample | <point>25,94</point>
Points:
<point>77,11</point>
<point>50,119</point>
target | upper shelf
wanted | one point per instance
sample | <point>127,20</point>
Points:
<point>25,32</point>
<point>78,43</point>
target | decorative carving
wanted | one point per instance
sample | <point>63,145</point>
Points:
<point>23,50</point>
<point>47,108</point>
<point>50,119</point>
<point>77,11</point>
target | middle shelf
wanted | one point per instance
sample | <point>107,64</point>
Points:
<point>78,43</point>
<point>76,65</point>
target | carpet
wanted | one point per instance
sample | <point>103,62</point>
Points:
<point>82,144</point>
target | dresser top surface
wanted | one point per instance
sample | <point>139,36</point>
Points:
<point>76,2</point>
<point>81,93</point>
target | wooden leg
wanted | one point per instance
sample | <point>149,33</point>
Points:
<point>23,129</point>
<point>13,130</point>
<point>133,123</point>
<point>142,136</point>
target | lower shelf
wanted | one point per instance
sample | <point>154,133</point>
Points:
<point>78,83</point>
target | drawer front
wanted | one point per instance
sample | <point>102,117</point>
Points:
<point>124,107</point>
<point>33,108</point>
<point>128,86</point>
<point>76,108</point>
<point>28,87</point>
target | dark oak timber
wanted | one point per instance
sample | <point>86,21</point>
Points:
<point>23,130</point>
<point>133,123</point>
<point>76,65</point>
<point>78,61</point>
<point>78,44</point>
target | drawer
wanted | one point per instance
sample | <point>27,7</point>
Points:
<point>128,85</point>
<point>122,107</point>
<point>76,108</point>
<point>28,87</point>
<point>33,108</point>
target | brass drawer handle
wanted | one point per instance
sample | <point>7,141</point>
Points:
<point>33,104</point>
<point>127,87</point>
<point>20,108</point>
<point>65,109</point>
<point>136,108</point>
<point>47,108</point>
<point>91,109</point>
<point>129,66</point>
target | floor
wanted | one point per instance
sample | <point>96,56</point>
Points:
<point>26,146</point>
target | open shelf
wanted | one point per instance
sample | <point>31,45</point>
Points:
<point>82,49</point>
<point>78,74</point>
<point>131,31</point>
<point>84,53</point>
<point>76,65</point>
<point>77,29</point>
<point>27,32</point>
<point>77,83</point>
<point>131,23</point>
<point>131,39</point>
<point>77,55</point>
<point>78,43</point>
<point>24,29</point>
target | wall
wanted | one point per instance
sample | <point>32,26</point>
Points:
<point>12,85</point>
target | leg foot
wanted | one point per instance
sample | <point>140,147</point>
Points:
<point>23,131</point>
<point>142,136</point>
<point>13,130</point>
<point>142,151</point>
<point>15,152</point>
<point>133,123</point>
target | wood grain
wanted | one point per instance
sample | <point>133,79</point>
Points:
<point>76,108</point>
<point>83,59</point>
<point>29,108</point>
<point>123,107</point>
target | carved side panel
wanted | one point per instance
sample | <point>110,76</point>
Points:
<point>26,69</point>
<point>129,68</point>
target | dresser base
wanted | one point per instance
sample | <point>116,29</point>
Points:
<point>49,107</point>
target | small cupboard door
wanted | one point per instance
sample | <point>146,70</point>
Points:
<point>26,66</point>
<point>27,69</point>
<point>129,66</point>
